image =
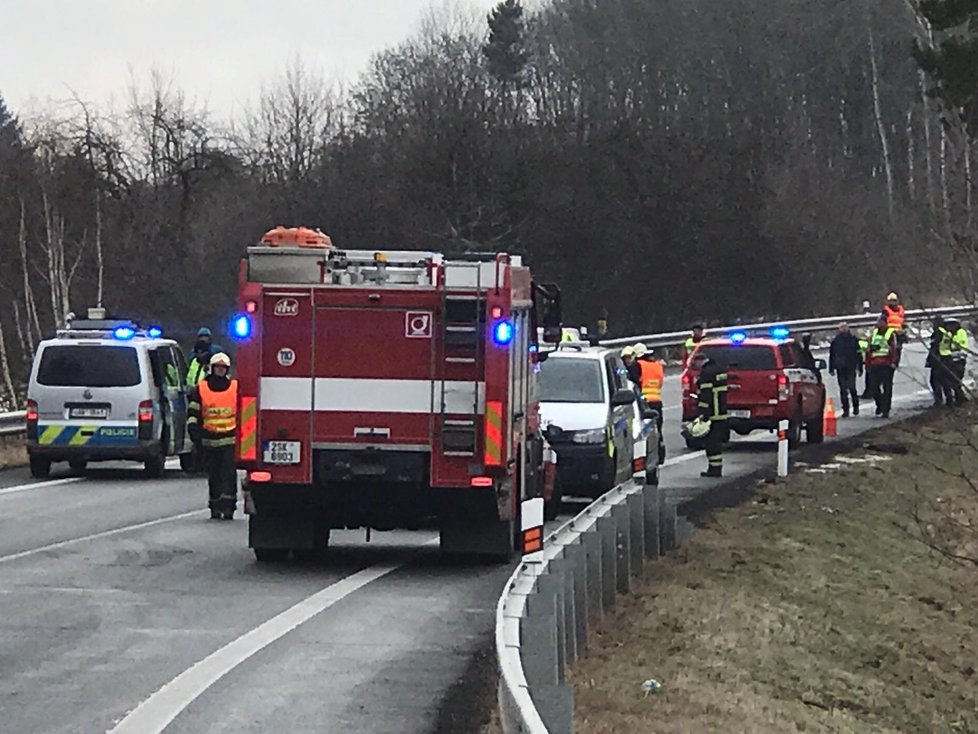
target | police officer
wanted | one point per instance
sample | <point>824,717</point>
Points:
<point>881,359</point>
<point>711,389</point>
<point>213,423</point>
<point>953,351</point>
<point>197,370</point>
<point>691,341</point>
<point>634,371</point>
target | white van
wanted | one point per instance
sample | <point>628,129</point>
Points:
<point>593,420</point>
<point>105,390</point>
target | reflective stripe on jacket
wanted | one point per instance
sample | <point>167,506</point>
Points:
<point>953,344</point>
<point>711,391</point>
<point>218,413</point>
<point>653,377</point>
<point>895,317</point>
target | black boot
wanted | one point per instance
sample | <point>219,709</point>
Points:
<point>215,514</point>
<point>713,471</point>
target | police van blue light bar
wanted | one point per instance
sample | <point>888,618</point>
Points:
<point>123,333</point>
<point>241,326</point>
<point>154,332</point>
<point>780,332</point>
<point>503,332</point>
<point>738,337</point>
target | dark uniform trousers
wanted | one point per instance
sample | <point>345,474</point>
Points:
<point>881,380</point>
<point>222,477</point>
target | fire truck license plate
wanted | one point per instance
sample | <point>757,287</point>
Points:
<point>739,413</point>
<point>282,452</point>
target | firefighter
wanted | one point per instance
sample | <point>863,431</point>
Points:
<point>691,341</point>
<point>634,370</point>
<point>953,351</point>
<point>845,359</point>
<point>213,427</point>
<point>896,317</point>
<point>881,364</point>
<point>653,377</point>
<point>711,390</point>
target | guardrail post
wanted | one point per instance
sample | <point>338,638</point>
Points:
<point>623,546</point>
<point>592,547</point>
<point>564,568</point>
<point>667,527</point>
<point>636,506</point>
<point>538,651</point>
<point>608,532</point>
<point>538,640</point>
<point>552,584</point>
<point>653,500</point>
<point>578,559</point>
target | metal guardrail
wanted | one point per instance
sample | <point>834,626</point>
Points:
<point>543,615</point>
<point>13,424</point>
<point>822,323</point>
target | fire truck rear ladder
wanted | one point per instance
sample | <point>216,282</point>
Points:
<point>464,319</point>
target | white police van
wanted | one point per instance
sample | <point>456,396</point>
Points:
<point>105,390</point>
<point>602,433</point>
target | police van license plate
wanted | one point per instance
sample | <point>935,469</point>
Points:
<point>88,413</point>
<point>282,452</point>
<point>739,413</point>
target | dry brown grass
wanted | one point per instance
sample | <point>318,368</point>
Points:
<point>813,607</point>
<point>12,453</point>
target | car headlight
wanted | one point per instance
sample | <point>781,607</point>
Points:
<point>593,436</point>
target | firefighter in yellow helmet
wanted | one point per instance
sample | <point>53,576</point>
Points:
<point>213,425</point>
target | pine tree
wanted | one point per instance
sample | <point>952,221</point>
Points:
<point>505,51</point>
<point>952,60</point>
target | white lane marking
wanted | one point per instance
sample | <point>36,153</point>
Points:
<point>155,713</point>
<point>97,536</point>
<point>171,463</point>
<point>39,485</point>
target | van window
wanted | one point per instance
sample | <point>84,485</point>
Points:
<point>744,356</point>
<point>89,366</point>
<point>571,381</point>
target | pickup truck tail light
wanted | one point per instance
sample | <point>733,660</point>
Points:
<point>686,383</point>
<point>783,391</point>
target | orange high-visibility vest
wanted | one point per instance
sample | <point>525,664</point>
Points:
<point>895,317</point>
<point>653,377</point>
<point>218,410</point>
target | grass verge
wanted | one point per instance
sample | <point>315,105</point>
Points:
<point>816,605</point>
<point>12,453</point>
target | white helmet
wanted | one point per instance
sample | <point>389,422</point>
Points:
<point>220,358</point>
<point>640,349</point>
<point>699,427</point>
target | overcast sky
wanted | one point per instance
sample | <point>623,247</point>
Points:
<point>217,50</point>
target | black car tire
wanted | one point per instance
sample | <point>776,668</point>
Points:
<point>78,465</point>
<point>794,430</point>
<point>40,467</point>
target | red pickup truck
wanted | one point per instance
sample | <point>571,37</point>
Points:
<point>769,380</point>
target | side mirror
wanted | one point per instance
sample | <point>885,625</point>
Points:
<point>820,364</point>
<point>624,396</point>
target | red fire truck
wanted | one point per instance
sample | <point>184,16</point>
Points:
<point>385,390</point>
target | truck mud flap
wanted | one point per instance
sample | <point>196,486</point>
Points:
<point>494,539</point>
<point>292,531</point>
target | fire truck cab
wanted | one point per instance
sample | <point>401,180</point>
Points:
<point>383,390</point>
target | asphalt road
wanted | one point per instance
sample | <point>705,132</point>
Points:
<point>123,608</point>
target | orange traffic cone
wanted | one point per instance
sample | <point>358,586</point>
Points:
<point>830,423</point>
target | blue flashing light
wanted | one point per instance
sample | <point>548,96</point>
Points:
<point>503,332</point>
<point>154,332</point>
<point>780,332</point>
<point>241,326</point>
<point>738,337</point>
<point>123,333</point>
